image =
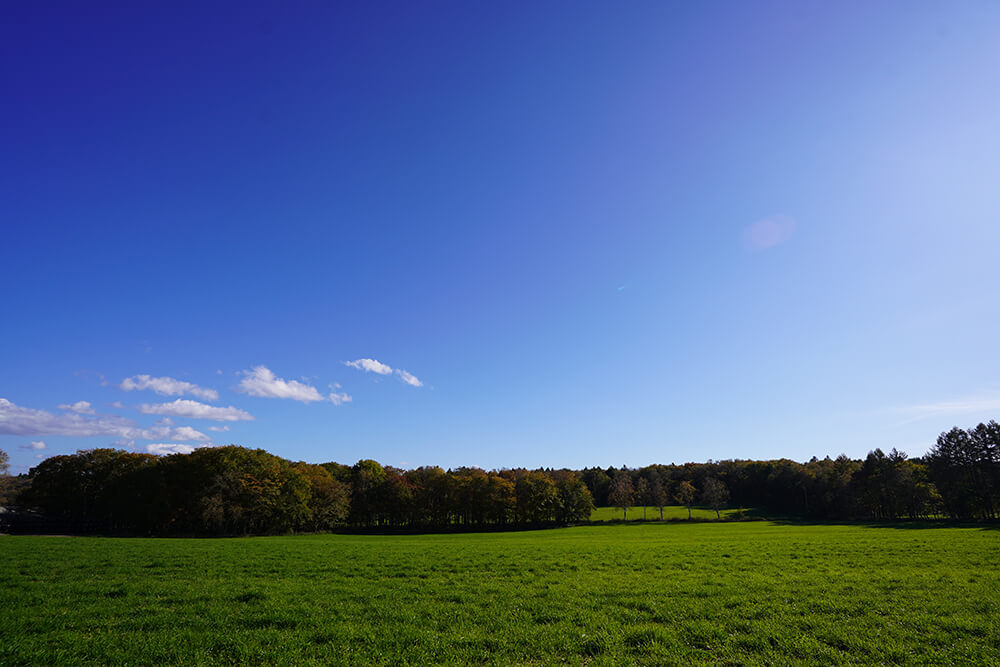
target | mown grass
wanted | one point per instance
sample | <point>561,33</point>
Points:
<point>623,593</point>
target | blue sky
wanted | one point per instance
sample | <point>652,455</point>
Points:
<point>566,234</point>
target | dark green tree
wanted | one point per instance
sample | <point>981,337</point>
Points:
<point>575,501</point>
<point>537,497</point>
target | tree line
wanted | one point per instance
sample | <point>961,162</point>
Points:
<point>235,491</point>
<point>238,491</point>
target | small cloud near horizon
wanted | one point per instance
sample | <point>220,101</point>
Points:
<point>35,445</point>
<point>18,420</point>
<point>166,448</point>
<point>957,406</point>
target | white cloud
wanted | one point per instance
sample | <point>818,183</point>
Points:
<point>768,232</point>
<point>16,420</point>
<point>81,407</point>
<point>260,381</point>
<point>375,366</point>
<point>116,404</point>
<point>369,365</point>
<point>339,398</point>
<point>984,404</point>
<point>183,407</point>
<point>166,448</point>
<point>165,386</point>
<point>181,433</point>
<point>409,378</point>
<point>35,445</point>
<point>218,428</point>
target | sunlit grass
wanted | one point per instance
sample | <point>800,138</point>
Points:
<point>649,593</point>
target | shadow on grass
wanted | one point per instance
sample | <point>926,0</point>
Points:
<point>899,524</point>
<point>756,514</point>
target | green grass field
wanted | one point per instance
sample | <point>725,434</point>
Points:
<point>753,592</point>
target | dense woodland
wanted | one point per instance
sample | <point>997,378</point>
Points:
<point>236,491</point>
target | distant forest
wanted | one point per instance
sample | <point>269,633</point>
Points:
<point>237,491</point>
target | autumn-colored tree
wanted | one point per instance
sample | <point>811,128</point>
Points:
<point>471,495</point>
<point>329,500</point>
<point>621,494</point>
<point>686,494</point>
<point>501,500</point>
<point>430,490</point>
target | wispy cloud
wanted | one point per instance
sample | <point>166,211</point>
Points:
<point>375,366</point>
<point>218,428</point>
<point>768,232</point>
<point>370,366</point>
<point>183,407</point>
<point>983,403</point>
<point>166,386</point>
<point>409,378</point>
<point>35,445</point>
<point>339,398</point>
<point>260,381</point>
<point>80,407</point>
<point>17,420</point>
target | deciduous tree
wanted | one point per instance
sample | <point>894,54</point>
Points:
<point>686,494</point>
<point>642,494</point>
<point>715,494</point>
<point>622,494</point>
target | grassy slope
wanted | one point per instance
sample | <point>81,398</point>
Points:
<point>744,592</point>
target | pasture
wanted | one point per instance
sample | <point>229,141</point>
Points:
<point>678,593</point>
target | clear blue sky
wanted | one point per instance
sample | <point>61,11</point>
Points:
<point>593,233</point>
